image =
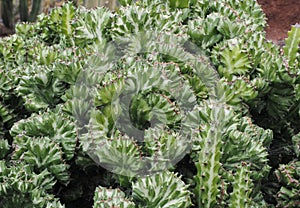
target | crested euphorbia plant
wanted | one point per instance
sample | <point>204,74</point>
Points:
<point>158,104</point>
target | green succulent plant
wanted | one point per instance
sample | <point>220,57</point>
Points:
<point>105,197</point>
<point>165,189</point>
<point>288,176</point>
<point>157,104</point>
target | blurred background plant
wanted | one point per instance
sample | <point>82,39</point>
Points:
<point>13,11</point>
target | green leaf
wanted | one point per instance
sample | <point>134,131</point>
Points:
<point>4,148</point>
<point>179,3</point>
<point>125,2</point>
<point>68,12</point>
<point>296,143</point>
<point>163,190</point>
<point>105,197</point>
<point>91,25</point>
<point>119,154</point>
<point>20,186</point>
<point>44,154</point>
<point>288,176</point>
<point>59,128</point>
<point>292,44</point>
<point>234,61</point>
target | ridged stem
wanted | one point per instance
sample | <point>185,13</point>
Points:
<point>7,13</point>
<point>23,10</point>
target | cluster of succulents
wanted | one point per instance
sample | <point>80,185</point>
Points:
<point>157,104</point>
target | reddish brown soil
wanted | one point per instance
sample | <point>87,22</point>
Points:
<point>281,15</point>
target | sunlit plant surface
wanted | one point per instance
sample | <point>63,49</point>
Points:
<point>158,104</point>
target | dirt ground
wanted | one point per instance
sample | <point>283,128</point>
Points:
<point>281,15</point>
<point>4,31</point>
